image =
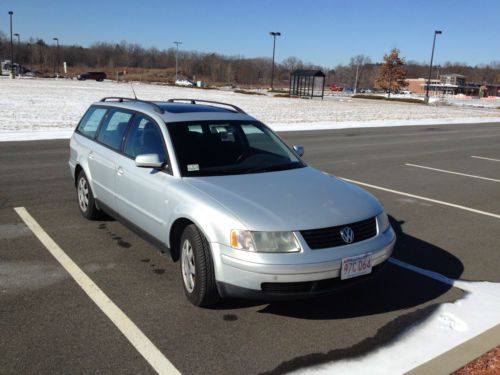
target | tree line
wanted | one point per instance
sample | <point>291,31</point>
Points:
<point>154,64</point>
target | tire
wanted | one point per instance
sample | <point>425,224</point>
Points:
<point>85,198</point>
<point>197,269</point>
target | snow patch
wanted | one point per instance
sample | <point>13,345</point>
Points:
<point>449,326</point>
<point>45,108</point>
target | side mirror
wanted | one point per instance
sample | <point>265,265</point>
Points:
<point>299,149</point>
<point>148,161</point>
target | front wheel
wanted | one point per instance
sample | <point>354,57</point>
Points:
<point>85,197</point>
<point>197,268</point>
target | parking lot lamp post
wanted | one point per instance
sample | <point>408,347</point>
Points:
<point>57,53</point>
<point>18,51</point>
<point>30,45</point>
<point>436,32</point>
<point>274,34</point>
<point>11,47</point>
<point>356,80</point>
<point>176,60</point>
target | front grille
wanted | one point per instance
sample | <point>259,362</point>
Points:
<point>330,237</point>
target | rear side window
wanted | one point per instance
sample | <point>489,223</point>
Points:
<point>90,122</point>
<point>144,137</point>
<point>113,129</point>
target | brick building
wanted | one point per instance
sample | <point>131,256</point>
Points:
<point>452,84</point>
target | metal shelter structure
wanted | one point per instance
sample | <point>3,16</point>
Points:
<point>307,83</point>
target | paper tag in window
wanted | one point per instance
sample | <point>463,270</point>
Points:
<point>193,167</point>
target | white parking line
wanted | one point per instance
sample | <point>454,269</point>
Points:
<point>496,216</point>
<point>136,337</point>
<point>482,157</point>
<point>451,172</point>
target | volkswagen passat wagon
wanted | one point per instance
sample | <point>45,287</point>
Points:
<point>222,194</point>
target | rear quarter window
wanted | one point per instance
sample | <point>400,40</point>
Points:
<point>90,121</point>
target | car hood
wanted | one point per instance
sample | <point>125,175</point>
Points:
<point>295,199</point>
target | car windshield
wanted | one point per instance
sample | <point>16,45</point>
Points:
<point>216,148</point>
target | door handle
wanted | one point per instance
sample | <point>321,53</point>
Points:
<point>119,171</point>
<point>91,155</point>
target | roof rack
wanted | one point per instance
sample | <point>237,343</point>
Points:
<point>196,101</point>
<point>120,99</point>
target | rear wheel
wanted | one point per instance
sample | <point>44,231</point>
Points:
<point>197,268</point>
<point>85,197</point>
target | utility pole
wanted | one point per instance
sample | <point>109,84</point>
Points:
<point>11,47</point>
<point>30,45</point>
<point>57,53</point>
<point>18,53</point>
<point>274,34</point>
<point>176,61</point>
<point>356,81</point>
<point>436,32</point>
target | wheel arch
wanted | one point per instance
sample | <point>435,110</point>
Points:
<point>176,230</point>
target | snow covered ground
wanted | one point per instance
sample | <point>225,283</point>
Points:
<point>43,108</point>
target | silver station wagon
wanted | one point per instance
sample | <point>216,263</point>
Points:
<point>219,191</point>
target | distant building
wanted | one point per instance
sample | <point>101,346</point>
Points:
<point>452,84</point>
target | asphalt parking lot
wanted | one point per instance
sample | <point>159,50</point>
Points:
<point>448,222</point>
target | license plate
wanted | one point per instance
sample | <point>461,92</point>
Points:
<point>356,266</point>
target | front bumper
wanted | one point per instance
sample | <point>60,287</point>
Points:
<point>297,275</point>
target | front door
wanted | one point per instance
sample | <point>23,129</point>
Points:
<point>141,192</point>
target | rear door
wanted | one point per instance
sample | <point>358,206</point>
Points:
<point>142,192</point>
<point>102,159</point>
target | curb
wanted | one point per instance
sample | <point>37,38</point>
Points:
<point>460,355</point>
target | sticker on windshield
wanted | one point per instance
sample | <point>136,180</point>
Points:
<point>193,167</point>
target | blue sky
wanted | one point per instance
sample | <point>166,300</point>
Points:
<point>323,32</point>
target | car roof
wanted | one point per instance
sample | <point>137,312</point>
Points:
<point>180,112</point>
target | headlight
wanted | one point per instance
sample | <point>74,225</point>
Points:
<point>265,242</point>
<point>383,222</point>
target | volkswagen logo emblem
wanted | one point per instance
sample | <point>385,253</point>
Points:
<point>347,234</point>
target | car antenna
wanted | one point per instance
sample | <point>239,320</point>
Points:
<point>132,87</point>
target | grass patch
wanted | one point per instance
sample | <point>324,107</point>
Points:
<point>281,95</point>
<point>378,97</point>
<point>248,92</point>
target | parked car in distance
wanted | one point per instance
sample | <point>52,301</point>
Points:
<point>221,193</point>
<point>185,82</point>
<point>336,88</point>
<point>97,76</point>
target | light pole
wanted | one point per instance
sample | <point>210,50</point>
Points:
<point>274,34</point>
<point>30,45</point>
<point>11,47</point>
<point>18,52</point>
<point>57,53</point>
<point>176,60</point>
<point>356,80</point>
<point>436,32</point>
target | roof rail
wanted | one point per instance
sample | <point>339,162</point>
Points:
<point>120,99</point>
<point>196,101</point>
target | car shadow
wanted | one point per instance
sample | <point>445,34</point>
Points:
<point>396,288</point>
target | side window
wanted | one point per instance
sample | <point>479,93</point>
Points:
<point>90,122</point>
<point>113,129</point>
<point>144,137</point>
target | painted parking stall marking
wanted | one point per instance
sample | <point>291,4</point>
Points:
<point>490,214</point>
<point>453,172</point>
<point>134,335</point>
<point>483,158</point>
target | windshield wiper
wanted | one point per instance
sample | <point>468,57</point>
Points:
<point>259,169</point>
<point>270,168</point>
